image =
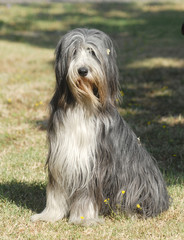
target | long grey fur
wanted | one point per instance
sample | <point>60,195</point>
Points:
<point>94,156</point>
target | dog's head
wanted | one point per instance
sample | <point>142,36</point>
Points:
<point>86,70</point>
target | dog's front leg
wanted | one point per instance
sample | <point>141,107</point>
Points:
<point>84,209</point>
<point>56,206</point>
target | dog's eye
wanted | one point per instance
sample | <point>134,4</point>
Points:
<point>74,52</point>
<point>93,53</point>
<point>90,50</point>
<point>95,92</point>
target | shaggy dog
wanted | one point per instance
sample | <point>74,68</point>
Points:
<point>96,164</point>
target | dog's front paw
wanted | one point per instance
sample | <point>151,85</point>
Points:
<point>46,216</point>
<point>35,218</point>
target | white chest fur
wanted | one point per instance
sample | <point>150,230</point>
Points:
<point>72,157</point>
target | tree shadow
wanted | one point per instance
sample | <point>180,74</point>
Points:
<point>152,105</point>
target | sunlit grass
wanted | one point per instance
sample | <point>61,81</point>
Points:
<point>157,62</point>
<point>172,120</point>
<point>157,8</point>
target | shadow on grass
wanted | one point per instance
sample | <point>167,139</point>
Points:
<point>41,124</point>
<point>153,106</point>
<point>27,195</point>
<point>33,196</point>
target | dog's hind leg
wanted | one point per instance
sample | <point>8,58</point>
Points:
<point>56,206</point>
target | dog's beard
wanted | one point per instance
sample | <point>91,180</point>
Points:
<point>91,89</point>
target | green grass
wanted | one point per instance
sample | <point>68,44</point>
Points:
<point>151,63</point>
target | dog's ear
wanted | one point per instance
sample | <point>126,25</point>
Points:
<point>112,73</point>
<point>60,64</point>
<point>62,95</point>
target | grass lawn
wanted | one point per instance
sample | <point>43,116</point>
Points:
<point>150,50</point>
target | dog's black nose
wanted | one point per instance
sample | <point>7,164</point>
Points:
<point>83,71</point>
